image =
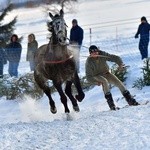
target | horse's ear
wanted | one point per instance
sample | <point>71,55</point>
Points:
<point>49,24</point>
<point>50,14</point>
<point>61,13</point>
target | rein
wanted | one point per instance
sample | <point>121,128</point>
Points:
<point>58,62</point>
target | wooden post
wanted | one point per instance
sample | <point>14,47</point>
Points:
<point>117,38</point>
<point>90,36</point>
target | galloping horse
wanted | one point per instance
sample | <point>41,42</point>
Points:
<point>55,62</point>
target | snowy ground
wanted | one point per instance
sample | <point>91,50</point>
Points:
<point>28,124</point>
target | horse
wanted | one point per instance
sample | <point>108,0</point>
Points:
<point>55,62</point>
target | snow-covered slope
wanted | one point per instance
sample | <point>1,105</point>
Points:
<point>28,124</point>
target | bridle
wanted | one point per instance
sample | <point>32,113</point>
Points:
<point>58,28</point>
<point>59,35</point>
<point>58,61</point>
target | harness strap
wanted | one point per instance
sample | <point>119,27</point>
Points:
<point>58,62</point>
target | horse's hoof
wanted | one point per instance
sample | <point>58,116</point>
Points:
<point>53,110</point>
<point>80,97</point>
<point>69,117</point>
<point>76,108</point>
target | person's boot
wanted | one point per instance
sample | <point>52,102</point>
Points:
<point>110,101</point>
<point>130,100</point>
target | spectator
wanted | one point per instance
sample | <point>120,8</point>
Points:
<point>31,49</point>
<point>97,72</point>
<point>76,33</point>
<point>2,56</point>
<point>13,51</point>
<point>76,38</point>
<point>143,31</point>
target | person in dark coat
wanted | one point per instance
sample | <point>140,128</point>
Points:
<point>143,31</point>
<point>2,55</point>
<point>76,33</point>
<point>76,38</point>
<point>13,51</point>
<point>31,50</point>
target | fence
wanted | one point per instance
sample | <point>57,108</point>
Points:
<point>105,31</point>
<point>114,36</point>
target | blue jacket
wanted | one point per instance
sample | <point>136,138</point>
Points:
<point>2,52</point>
<point>76,34</point>
<point>143,30</point>
<point>13,52</point>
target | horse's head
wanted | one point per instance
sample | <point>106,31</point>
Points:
<point>58,28</point>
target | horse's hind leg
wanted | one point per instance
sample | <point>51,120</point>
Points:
<point>77,84</point>
<point>40,81</point>
<point>68,92</point>
<point>62,96</point>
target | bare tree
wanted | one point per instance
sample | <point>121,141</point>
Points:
<point>52,5</point>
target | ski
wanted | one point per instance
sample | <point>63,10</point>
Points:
<point>127,106</point>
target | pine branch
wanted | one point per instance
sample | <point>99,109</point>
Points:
<point>8,27</point>
<point>6,10</point>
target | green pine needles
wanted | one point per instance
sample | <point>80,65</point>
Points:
<point>121,75</point>
<point>145,81</point>
<point>6,30</point>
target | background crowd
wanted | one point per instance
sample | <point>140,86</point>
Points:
<point>11,52</point>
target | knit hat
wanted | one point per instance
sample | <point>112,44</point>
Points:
<point>93,48</point>
<point>74,21</point>
<point>143,18</point>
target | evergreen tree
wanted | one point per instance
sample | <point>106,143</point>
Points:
<point>145,81</point>
<point>146,72</point>
<point>6,30</point>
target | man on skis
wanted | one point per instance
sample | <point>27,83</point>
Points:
<point>97,72</point>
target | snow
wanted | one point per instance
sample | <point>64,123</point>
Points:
<point>27,124</point>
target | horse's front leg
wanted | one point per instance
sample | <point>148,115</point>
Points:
<point>62,95</point>
<point>53,109</point>
<point>68,92</point>
<point>40,81</point>
<point>77,84</point>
